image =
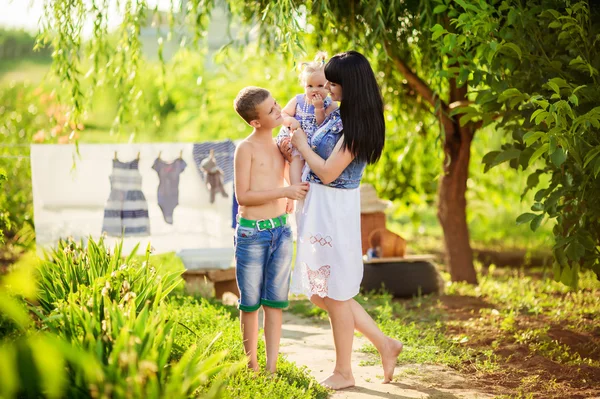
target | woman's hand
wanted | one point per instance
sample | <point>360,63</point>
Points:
<point>299,140</point>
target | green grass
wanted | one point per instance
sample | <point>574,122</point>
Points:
<point>32,69</point>
<point>202,320</point>
<point>517,330</point>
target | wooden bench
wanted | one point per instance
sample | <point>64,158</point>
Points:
<point>223,279</point>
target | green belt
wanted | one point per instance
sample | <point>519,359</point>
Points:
<point>264,224</point>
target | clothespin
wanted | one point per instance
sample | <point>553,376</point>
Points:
<point>160,152</point>
<point>138,157</point>
<point>115,155</point>
<point>180,154</point>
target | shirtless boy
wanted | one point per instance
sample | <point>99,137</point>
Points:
<point>263,238</point>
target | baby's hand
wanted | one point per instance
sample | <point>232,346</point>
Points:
<point>291,122</point>
<point>285,147</point>
<point>318,102</point>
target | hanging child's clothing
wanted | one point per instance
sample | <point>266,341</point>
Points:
<point>223,150</point>
<point>214,177</point>
<point>126,211</point>
<point>168,187</point>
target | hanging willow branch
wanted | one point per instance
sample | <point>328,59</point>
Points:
<point>111,57</point>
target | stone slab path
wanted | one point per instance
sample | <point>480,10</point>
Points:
<point>309,342</point>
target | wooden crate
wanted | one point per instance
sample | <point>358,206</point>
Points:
<point>368,223</point>
<point>223,279</point>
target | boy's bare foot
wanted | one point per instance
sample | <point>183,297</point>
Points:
<point>338,381</point>
<point>389,357</point>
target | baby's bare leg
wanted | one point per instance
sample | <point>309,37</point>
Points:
<point>296,167</point>
<point>272,326</point>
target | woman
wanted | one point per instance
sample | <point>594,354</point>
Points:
<point>329,265</point>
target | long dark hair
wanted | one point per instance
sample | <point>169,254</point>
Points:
<point>362,105</point>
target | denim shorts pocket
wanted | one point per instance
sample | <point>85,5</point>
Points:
<point>287,231</point>
<point>246,233</point>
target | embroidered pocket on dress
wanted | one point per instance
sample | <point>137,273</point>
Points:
<point>319,280</point>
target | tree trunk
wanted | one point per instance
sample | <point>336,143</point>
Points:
<point>452,205</point>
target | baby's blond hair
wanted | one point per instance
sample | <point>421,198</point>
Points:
<point>308,68</point>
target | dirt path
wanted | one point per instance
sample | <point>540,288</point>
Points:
<point>309,342</point>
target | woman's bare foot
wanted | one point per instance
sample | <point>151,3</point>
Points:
<point>338,381</point>
<point>389,357</point>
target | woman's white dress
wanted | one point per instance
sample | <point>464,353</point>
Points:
<point>329,251</point>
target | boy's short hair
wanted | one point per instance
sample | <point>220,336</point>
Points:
<point>247,100</point>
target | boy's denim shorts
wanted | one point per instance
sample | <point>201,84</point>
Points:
<point>263,266</point>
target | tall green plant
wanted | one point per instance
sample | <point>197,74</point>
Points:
<point>106,331</point>
<point>112,306</point>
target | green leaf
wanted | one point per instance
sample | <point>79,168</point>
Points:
<point>536,221</point>
<point>557,271</point>
<point>466,118</point>
<point>554,24</point>
<point>536,113</point>
<point>554,87</point>
<point>532,137</point>
<point>526,218</point>
<point>551,145</point>
<point>439,9</point>
<point>574,99</point>
<point>540,117</point>
<point>558,157</point>
<point>559,255</point>
<point>509,93</point>
<point>537,207</point>
<point>507,155</point>
<point>575,251</point>
<point>538,153</point>
<point>565,276</point>
<point>438,33</point>
<point>591,155</point>
<point>514,48</point>
<point>533,180</point>
<point>586,240</point>
<point>512,15</point>
<point>490,157</point>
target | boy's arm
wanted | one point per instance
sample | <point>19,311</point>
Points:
<point>286,173</point>
<point>247,197</point>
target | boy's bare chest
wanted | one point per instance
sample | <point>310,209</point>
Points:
<point>268,161</point>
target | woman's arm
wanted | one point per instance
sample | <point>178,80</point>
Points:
<point>326,169</point>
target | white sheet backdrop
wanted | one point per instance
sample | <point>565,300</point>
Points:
<point>70,201</point>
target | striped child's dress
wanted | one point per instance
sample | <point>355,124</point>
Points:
<point>126,211</point>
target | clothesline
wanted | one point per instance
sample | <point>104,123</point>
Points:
<point>27,156</point>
